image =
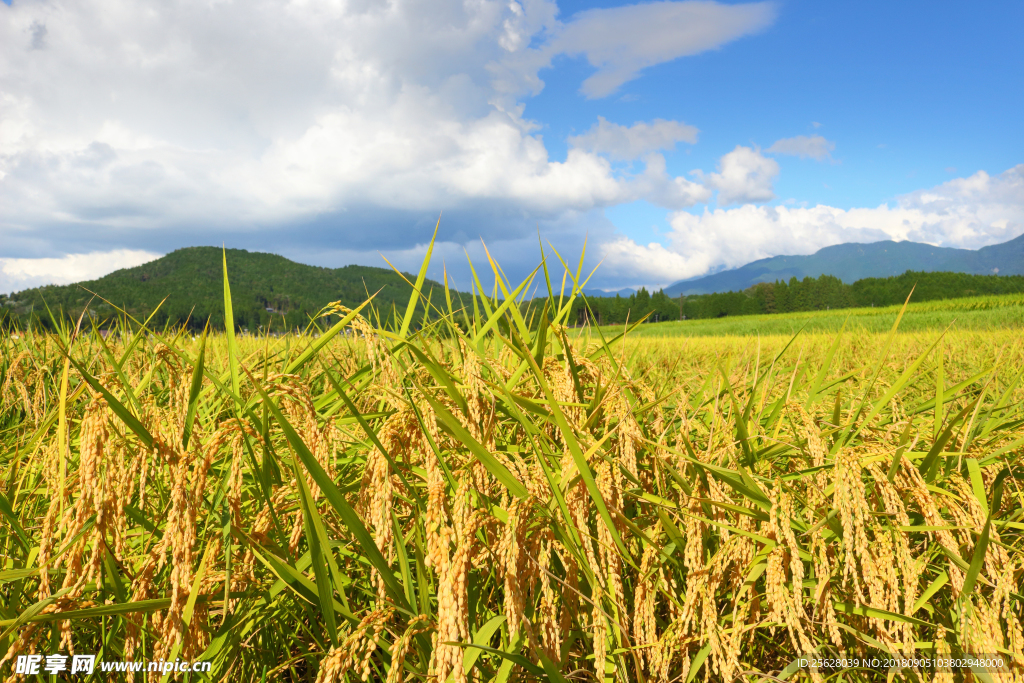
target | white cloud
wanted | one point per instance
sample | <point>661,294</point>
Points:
<point>622,41</point>
<point>152,126</point>
<point>966,213</point>
<point>17,274</point>
<point>803,146</point>
<point>657,187</point>
<point>626,143</point>
<point>321,127</point>
<point>744,175</point>
<point>628,264</point>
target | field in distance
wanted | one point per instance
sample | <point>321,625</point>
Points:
<point>971,313</point>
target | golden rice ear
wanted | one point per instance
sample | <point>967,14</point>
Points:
<point>487,493</point>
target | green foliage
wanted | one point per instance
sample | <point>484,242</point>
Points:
<point>268,292</point>
<point>931,287</point>
<point>618,309</point>
<point>810,294</point>
<point>973,313</point>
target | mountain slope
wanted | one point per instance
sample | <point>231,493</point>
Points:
<point>852,262</point>
<point>1005,259</point>
<point>595,292</point>
<point>266,289</point>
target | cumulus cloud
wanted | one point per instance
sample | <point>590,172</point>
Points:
<point>628,264</point>
<point>744,175</point>
<point>17,274</point>
<point>330,130</point>
<point>319,125</point>
<point>966,213</point>
<point>658,187</point>
<point>803,146</point>
<point>625,143</point>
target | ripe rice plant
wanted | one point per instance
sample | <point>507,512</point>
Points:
<point>486,495</point>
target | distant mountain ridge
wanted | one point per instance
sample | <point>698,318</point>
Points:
<point>594,291</point>
<point>852,261</point>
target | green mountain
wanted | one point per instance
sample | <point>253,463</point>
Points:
<point>852,262</point>
<point>266,291</point>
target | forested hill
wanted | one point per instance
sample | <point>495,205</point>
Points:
<point>852,262</point>
<point>266,290</point>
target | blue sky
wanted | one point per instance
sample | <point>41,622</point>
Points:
<point>678,137</point>
<point>912,93</point>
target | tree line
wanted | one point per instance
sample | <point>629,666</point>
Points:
<point>809,294</point>
<point>258,307</point>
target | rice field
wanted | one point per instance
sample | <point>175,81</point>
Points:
<point>491,496</point>
<point>980,313</point>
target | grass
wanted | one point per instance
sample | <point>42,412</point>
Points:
<point>514,502</point>
<point>972,313</point>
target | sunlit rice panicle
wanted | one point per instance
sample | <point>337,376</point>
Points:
<point>46,542</point>
<point>644,619</point>
<point>902,568</point>
<point>400,650</point>
<point>916,488</point>
<point>550,630</point>
<point>355,650</point>
<point>1010,610</point>
<point>512,556</point>
<point>17,382</point>
<point>599,632</point>
<point>571,603</point>
<point>784,579</point>
<point>763,503</point>
<point>609,484</point>
<point>453,573</point>
<point>851,504</point>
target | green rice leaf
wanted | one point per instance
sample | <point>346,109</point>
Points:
<point>982,545</point>
<point>493,465</point>
<point>334,496</point>
<point>193,394</point>
<point>229,331</point>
